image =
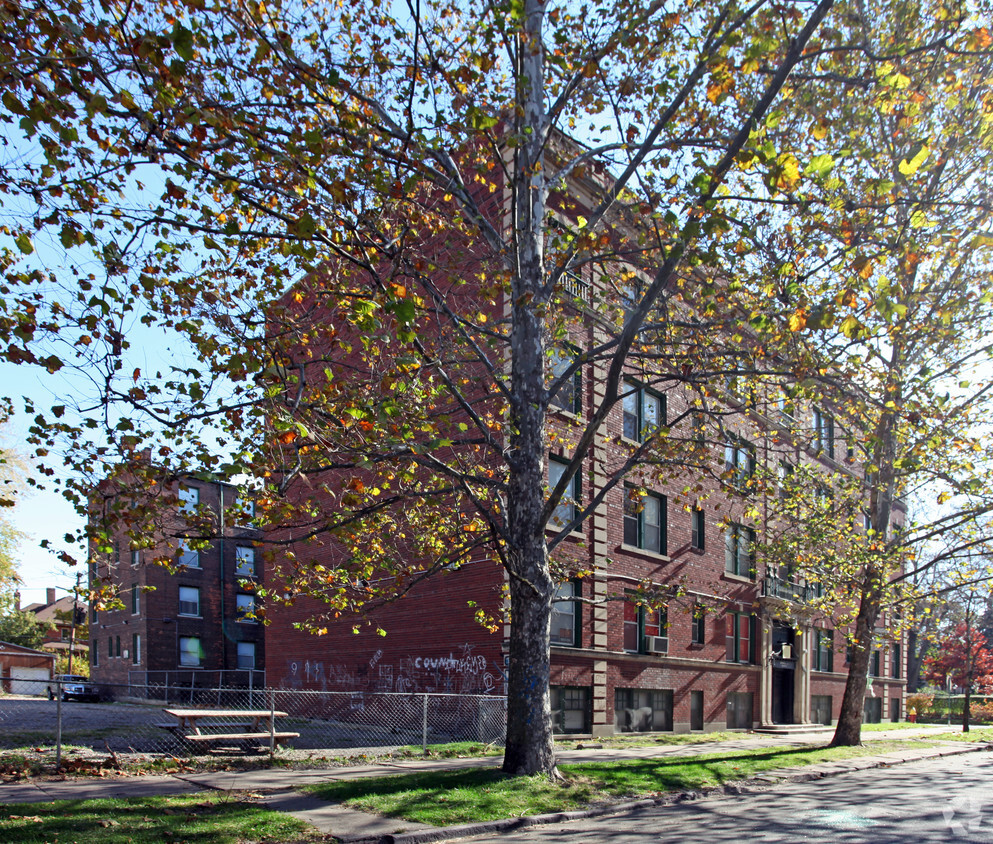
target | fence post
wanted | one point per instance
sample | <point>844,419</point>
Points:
<point>272,723</point>
<point>424,726</point>
<point>58,724</point>
<point>251,693</point>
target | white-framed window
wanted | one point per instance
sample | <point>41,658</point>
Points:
<point>565,512</point>
<point>644,411</point>
<point>135,557</point>
<point>565,616</point>
<point>187,556</point>
<point>136,648</point>
<point>246,655</point>
<point>739,550</point>
<point>189,499</point>
<point>823,424</point>
<point>245,607</point>
<point>739,462</point>
<point>698,535</point>
<point>244,561</point>
<point>569,395</point>
<point>135,599</point>
<point>645,521</point>
<point>190,651</point>
<point>189,600</point>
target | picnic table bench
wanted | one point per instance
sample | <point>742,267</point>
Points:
<point>201,726</point>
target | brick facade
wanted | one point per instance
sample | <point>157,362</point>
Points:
<point>186,620</point>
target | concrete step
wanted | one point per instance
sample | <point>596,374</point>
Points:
<point>791,729</point>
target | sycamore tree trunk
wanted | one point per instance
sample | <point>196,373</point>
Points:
<point>848,732</point>
<point>530,748</point>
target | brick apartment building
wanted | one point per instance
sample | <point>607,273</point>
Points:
<point>736,648</point>
<point>193,622</point>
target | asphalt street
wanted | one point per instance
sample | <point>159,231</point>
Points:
<point>947,799</point>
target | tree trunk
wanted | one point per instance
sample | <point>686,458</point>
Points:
<point>914,661</point>
<point>848,732</point>
<point>965,707</point>
<point>530,747</point>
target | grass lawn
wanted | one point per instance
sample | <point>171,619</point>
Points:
<point>979,735</point>
<point>450,797</point>
<point>201,818</point>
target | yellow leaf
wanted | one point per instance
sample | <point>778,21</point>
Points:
<point>910,166</point>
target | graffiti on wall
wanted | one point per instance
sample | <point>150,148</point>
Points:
<point>463,672</point>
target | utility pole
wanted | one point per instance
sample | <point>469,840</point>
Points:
<point>75,611</point>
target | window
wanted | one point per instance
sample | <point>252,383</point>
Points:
<point>189,600</point>
<point>699,425</point>
<point>645,630</point>
<point>569,396</point>
<point>135,599</point>
<point>94,654</point>
<point>698,540</point>
<point>784,472</point>
<point>187,556</point>
<point>739,550</point>
<point>785,402</point>
<point>190,651</point>
<point>244,511</point>
<point>246,656</point>
<point>64,634</point>
<point>117,642</point>
<point>823,650</point>
<point>135,557</point>
<point>644,411</point>
<point>823,432</point>
<point>565,511</point>
<point>739,462</point>
<point>245,607</point>
<point>110,646</point>
<point>566,616</point>
<point>698,632</point>
<point>570,709</point>
<point>874,664</point>
<point>244,561</point>
<point>740,636</point>
<point>189,500</point>
<point>136,648</point>
<point>640,710</point>
<point>895,664</point>
<point>644,521</point>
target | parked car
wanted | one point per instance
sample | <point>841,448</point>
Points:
<point>74,686</point>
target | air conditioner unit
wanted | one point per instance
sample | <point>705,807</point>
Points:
<point>657,644</point>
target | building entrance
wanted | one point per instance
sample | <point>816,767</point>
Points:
<point>783,672</point>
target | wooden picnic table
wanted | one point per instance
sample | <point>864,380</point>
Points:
<point>200,725</point>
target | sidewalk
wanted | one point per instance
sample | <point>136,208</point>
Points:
<point>277,788</point>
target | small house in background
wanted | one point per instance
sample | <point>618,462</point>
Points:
<point>25,671</point>
<point>64,620</point>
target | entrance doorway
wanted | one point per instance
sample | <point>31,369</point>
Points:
<point>783,672</point>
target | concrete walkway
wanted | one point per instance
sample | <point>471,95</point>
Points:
<point>278,788</point>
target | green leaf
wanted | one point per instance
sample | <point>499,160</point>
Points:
<point>182,41</point>
<point>24,244</point>
<point>820,166</point>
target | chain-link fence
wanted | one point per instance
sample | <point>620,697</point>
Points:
<point>195,721</point>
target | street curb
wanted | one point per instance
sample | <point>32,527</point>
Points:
<point>759,783</point>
